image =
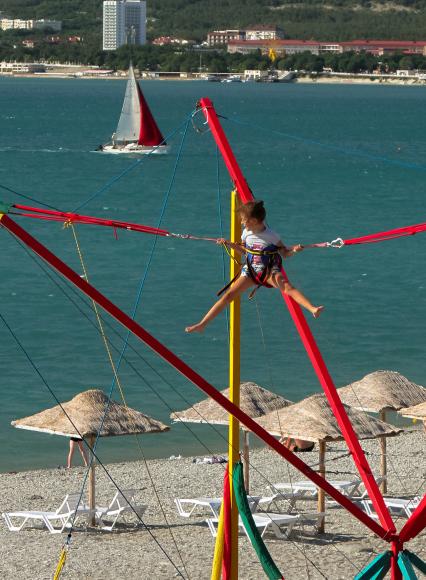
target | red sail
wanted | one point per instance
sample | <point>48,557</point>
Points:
<point>149,133</point>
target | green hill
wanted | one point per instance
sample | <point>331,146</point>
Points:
<point>192,19</point>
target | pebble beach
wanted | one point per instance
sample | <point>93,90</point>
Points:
<point>167,545</point>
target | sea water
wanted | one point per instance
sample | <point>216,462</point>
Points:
<point>329,160</point>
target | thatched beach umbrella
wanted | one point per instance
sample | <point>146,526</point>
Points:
<point>416,412</point>
<point>254,401</point>
<point>313,420</point>
<point>86,411</point>
<point>379,392</point>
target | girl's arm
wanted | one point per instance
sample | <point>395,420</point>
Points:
<point>287,252</point>
<point>239,248</point>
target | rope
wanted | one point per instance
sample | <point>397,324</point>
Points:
<point>70,217</point>
<point>36,369</point>
<point>165,402</point>
<point>61,562</point>
<point>113,180</point>
<point>118,382</point>
<point>343,150</point>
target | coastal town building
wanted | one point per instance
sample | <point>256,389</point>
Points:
<point>380,47</point>
<point>124,22</point>
<point>218,37</point>
<point>280,47</point>
<point>259,32</point>
<point>262,32</point>
<point>167,40</point>
<point>283,47</point>
<point>16,23</point>
<point>10,68</point>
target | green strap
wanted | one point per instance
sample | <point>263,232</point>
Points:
<point>264,556</point>
<point>5,207</point>
<point>377,569</point>
<point>406,567</point>
<point>416,561</point>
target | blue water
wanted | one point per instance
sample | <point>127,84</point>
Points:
<point>328,160</point>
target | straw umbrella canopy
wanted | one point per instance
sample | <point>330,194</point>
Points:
<point>415,412</point>
<point>254,401</point>
<point>82,417</point>
<point>379,392</point>
<point>313,420</point>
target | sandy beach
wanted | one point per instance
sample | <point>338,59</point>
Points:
<point>168,542</point>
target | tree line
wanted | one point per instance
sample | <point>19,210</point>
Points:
<point>172,59</point>
<point>192,19</point>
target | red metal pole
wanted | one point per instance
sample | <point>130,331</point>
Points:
<point>189,373</point>
<point>305,334</point>
<point>415,523</point>
<point>396,573</point>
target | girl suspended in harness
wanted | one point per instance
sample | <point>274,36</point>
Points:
<point>263,252</point>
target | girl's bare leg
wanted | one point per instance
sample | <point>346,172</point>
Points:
<point>83,452</point>
<point>278,281</point>
<point>237,288</point>
<point>70,454</point>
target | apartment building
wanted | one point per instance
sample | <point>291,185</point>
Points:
<point>124,22</point>
<point>16,23</point>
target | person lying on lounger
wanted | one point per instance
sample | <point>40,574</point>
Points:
<point>297,445</point>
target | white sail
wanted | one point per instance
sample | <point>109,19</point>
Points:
<point>129,124</point>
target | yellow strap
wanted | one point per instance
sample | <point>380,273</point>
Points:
<point>262,252</point>
<point>230,255</point>
<point>61,563</point>
<point>218,548</point>
<point>1,216</point>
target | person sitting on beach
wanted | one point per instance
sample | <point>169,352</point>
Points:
<point>297,445</point>
<point>263,249</point>
<point>79,442</point>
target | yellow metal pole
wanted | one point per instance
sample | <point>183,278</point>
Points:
<point>234,386</point>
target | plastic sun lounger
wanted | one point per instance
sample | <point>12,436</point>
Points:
<point>211,503</point>
<point>397,505</point>
<point>264,522</point>
<point>265,503</point>
<point>308,489</point>
<point>121,506</point>
<point>63,514</point>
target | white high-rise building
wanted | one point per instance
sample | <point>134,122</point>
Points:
<point>124,22</point>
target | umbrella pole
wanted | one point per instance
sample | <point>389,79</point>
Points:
<point>92,501</point>
<point>383,458</point>
<point>321,492</point>
<point>246,460</point>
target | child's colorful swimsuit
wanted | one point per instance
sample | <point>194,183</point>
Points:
<point>263,258</point>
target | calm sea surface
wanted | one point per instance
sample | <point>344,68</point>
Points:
<point>329,161</point>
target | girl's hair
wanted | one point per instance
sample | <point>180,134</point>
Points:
<point>253,210</point>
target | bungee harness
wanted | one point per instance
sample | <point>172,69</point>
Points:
<point>270,258</point>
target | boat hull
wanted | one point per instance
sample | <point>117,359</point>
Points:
<point>134,149</point>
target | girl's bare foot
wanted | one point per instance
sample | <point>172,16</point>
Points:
<point>317,311</point>
<point>195,328</point>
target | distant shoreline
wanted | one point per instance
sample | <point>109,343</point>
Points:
<point>303,79</point>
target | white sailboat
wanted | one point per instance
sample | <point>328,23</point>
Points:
<point>137,131</point>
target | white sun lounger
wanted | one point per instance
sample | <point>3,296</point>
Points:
<point>122,505</point>
<point>265,503</point>
<point>397,505</point>
<point>305,488</point>
<point>264,522</point>
<point>211,503</point>
<point>63,515</point>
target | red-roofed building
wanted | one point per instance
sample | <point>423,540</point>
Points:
<point>280,47</point>
<point>379,47</point>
